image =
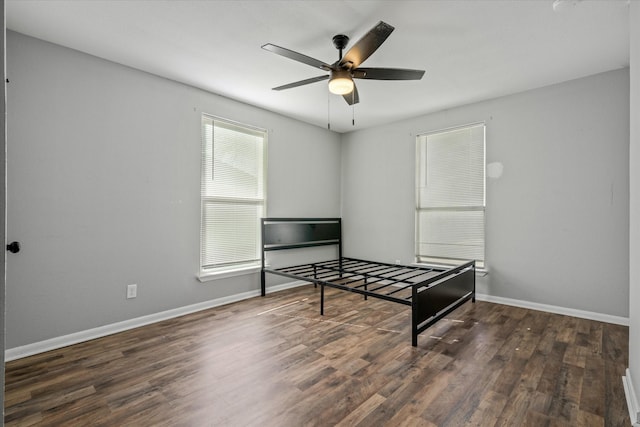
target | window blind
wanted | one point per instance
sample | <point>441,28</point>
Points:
<point>233,194</point>
<point>450,195</point>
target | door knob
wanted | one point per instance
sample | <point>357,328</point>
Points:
<point>13,247</point>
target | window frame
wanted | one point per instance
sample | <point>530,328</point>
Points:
<point>423,259</point>
<point>208,272</point>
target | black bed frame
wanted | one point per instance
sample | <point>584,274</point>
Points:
<point>431,292</point>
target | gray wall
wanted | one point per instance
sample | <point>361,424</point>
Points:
<point>104,186</point>
<point>634,282</point>
<point>557,229</point>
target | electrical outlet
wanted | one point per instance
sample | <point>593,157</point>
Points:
<point>397,261</point>
<point>132,291</point>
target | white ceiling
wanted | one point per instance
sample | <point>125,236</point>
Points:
<point>471,50</point>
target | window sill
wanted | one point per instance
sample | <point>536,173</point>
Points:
<point>207,276</point>
<point>480,271</point>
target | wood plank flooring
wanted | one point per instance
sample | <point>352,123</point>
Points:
<point>275,361</point>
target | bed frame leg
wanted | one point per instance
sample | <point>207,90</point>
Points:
<point>414,316</point>
<point>473,293</point>
<point>315,275</point>
<point>263,288</point>
<point>321,300</point>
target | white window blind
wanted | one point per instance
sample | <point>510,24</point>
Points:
<point>450,195</point>
<point>233,195</point>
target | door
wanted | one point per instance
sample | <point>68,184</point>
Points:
<point>3,201</point>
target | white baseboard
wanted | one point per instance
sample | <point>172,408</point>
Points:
<point>600,317</point>
<point>632,400</point>
<point>103,331</point>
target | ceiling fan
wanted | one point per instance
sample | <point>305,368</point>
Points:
<point>347,67</point>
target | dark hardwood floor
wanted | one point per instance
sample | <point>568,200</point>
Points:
<point>274,361</point>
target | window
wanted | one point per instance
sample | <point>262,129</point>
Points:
<point>233,195</point>
<point>450,195</point>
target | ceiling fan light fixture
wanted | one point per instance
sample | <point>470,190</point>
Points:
<point>340,82</point>
<point>347,67</point>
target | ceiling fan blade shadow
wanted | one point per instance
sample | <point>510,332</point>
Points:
<point>287,53</point>
<point>368,44</point>
<point>302,82</point>
<point>387,74</point>
<point>352,97</point>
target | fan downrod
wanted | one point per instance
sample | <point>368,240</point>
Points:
<point>340,42</point>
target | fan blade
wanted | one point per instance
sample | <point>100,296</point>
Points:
<point>387,74</point>
<point>352,98</point>
<point>302,82</point>
<point>366,45</point>
<point>297,56</point>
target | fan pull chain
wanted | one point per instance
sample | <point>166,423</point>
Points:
<point>328,111</point>
<point>353,108</point>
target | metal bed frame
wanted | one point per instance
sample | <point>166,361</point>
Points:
<point>431,292</point>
